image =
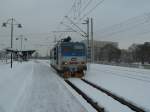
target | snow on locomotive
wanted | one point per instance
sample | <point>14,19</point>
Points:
<point>69,58</point>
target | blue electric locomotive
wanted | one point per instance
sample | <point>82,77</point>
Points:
<point>69,58</point>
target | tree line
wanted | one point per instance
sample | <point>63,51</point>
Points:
<point>136,53</point>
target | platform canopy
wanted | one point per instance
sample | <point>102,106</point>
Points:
<point>24,54</point>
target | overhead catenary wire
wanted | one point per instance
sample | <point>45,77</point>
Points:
<point>83,35</point>
<point>85,7</point>
<point>63,18</point>
<point>76,25</point>
<point>129,21</point>
<point>78,7</point>
<point>127,25</point>
<point>91,10</point>
<point>66,14</point>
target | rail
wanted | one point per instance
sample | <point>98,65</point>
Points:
<point>119,99</point>
<point>87,98</point>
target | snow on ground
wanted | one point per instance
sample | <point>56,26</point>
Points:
<point>79,98</point>
<point>34,87</point>
<point>11,84</point>
<point>47,94</point>
<point>109,104</point>
<point>130,83</point>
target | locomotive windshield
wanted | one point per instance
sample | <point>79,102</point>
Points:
<point>73,50</point>
<point>78,47</point>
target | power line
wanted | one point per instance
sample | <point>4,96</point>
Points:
<point>75,25</point>
<point>129,21</point>
<point>74,30</point>
<point>66,14</point>
<point>85,7</point>
<point>127,25</point>
<point>77,9</point>
<point>91,10</point>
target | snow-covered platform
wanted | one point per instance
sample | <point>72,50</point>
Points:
<point>34,87</point>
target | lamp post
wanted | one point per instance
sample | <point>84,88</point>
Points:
<point>11,22</point>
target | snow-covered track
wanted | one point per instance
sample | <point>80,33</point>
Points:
<point>112,95</point>
<point>86,97</point>
<point>128,75</point>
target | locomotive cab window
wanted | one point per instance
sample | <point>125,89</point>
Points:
<point>78,47</point>
<point>73,50</point>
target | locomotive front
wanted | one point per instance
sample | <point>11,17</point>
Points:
<point>73,59</point>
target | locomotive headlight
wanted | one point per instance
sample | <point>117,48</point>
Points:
<point>64,63</point>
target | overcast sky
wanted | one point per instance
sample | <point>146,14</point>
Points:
<point>40,17</point>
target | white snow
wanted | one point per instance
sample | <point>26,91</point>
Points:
<point>109,104</point>
<point>79,98</point>
<point>34,87</point>
<point>130,83</point>
<point>11,84</point>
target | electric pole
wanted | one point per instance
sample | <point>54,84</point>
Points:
<point>88,41</point>
<point>87,37</point>
<point>92,42</point>
<point>11,22</point>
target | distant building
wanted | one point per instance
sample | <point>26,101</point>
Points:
<point>97,47</point>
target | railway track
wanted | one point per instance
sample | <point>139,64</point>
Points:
<point>112,95</point>
<point>95,105</point>
<point>129,76</point>
<point>86,97</point>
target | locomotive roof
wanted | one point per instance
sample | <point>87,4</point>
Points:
<point>63,43</point>
<point>69,43</point>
